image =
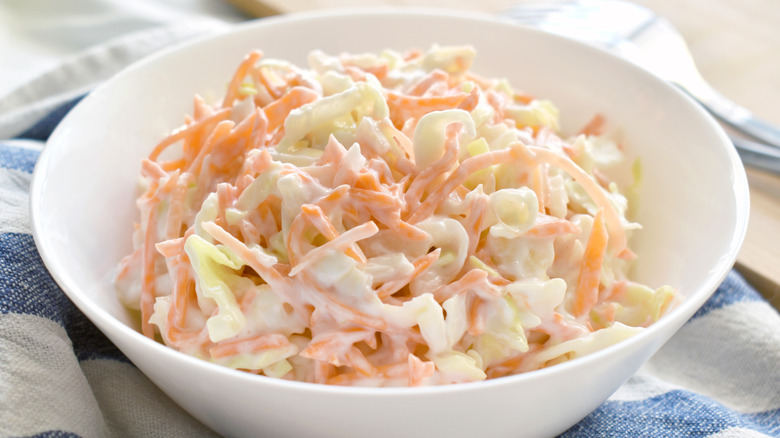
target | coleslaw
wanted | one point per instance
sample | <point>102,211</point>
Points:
<point>384,219</point>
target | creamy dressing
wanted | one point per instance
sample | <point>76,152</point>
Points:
<point>384,219</point>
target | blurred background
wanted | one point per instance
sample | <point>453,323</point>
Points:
<point>735,43</point>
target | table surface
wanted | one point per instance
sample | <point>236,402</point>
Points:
<point>736,47</point>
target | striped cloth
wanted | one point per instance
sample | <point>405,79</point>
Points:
<point>60,377</point>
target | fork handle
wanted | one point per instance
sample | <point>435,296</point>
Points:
<point>739,118</point>
<point>758,155</point>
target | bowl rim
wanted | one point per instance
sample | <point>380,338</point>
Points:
<point>107,322</point>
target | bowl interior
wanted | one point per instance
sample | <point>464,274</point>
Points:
<point>693,196</point>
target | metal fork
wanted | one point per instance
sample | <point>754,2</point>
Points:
<point>639,35</point>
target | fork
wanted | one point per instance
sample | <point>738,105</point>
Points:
<point>639,35</point>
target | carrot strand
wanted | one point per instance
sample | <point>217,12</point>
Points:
<point>590,269</point>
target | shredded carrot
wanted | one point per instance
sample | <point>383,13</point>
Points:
<point>278,110</point>
<point>476,318</point>
<point>321,222</point>
<point>472,280</point>
<point>612,218</point>
<point>405,107</point>
<point>350,260</point>
<point>261,265</point>
<point>424,180</point>
<point>148,275</point>
<point>595,126</point>
<point>547,226</point>
<point>254,344</point>
<point>220,132</point>
<point>590,269</point>
<point>420,265</point>
<point>421,86</point>
<point>540,187</point>
<point>187,131</point>
<point>419,370</point>
<point>238,78</point>
<point>339,243</point>
<point>466,168</point>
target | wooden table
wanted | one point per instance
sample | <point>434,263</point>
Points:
<point>736,46</point>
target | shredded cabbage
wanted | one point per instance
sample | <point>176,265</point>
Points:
<point>385,219</point>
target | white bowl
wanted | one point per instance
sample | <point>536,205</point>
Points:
<point>694,208</point>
